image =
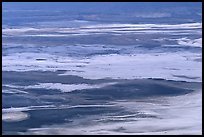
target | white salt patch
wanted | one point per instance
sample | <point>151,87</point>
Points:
<point>14,117</point>
<point>142,66</point>
<point>189,42</point>
<point>146,65</point>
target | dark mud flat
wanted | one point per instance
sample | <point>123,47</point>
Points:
<point>88,105</point>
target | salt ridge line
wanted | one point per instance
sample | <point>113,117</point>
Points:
<point>45,107</point>
<point>103,28</point>
<point>115,32</point>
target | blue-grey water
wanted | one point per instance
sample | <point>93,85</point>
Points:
<point>102,68</point>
